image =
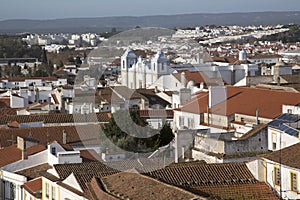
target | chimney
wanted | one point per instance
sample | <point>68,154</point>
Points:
<point>64,137</point>
<point>183,79</point>
<point>21,144</point>
<point>256,113</point>
<point>216,95</point>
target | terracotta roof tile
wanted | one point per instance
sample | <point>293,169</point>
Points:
<point>89,155</point>
<point>197,77</point>
<point>57,118</point>
<point>8,111</point>
<point>152,97</point>
<point>204,174</point>
<point>31,78</point>
<point>220,181</point>
<point>137,186</point>
<point>244,100</point>
<point>34,187</point>
<point>34,172</point>
<point>84,172</point>
<point>287,156</point>
<point>76,135</point>
<point>13,124</point>
<point>96,192</point>
<point>157,113</point>
<point>55,98</point>
<point>12,153</point>
<point>259,191</point>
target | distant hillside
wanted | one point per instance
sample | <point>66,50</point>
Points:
<point>79,25</point>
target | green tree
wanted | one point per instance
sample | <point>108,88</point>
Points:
<point>44,59</point>
<point>126,135</point>
<point>166,135</point>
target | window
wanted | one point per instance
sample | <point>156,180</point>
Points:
<point>181,121</point>
<point>53,193</point>
<point>274,139</point>
<point>294,182</point>
<point>154,66</point>
<point>289,111</point>
<point>47,190</point>
<point>274,146</point>
<point>277,176</point>
<point>190,123</point>
<point>242,119</point>
<point>12,190</point>
<point>53,151</point>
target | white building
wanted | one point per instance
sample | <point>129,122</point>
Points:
<point>281,171</point>
<point>140,73</point>
<point>284,130</point>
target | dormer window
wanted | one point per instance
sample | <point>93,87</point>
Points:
<point>53,151</point>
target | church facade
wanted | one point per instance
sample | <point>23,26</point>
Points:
<point>137,72</point>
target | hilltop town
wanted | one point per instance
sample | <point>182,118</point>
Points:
<point>207,112</point>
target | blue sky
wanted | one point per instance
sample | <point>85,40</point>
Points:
<point>53,9</point>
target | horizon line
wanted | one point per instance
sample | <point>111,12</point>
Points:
<point>138,16</point>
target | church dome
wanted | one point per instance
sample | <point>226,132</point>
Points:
<point>160,55</point>
<point>129,53</point>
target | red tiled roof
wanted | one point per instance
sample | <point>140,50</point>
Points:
<point>55,98</point>
<point>8,111</point>
<point>244,100</point>
<point>196,105</point>
<point>96,192</point>
<point>84,172</point>
<point>31,78</point>
<point>137,186</point>
<point>34,187</point>
<point>224,59</point>
<point>216,181</point>
<point>258,56</point>
<point>57,118</point>
<point>195,173</point>
<point>76,135</point>
<point>13,124</point>
<point>156,113</point>
<point>287,156</point>
<point>89,155</point>
<point>60,71</point>
<point>259,191</point>
<point>41,105</point>
<point>197,77</point>
<point>34,172</point>
<point>12,153</point>
<point>5,102</point>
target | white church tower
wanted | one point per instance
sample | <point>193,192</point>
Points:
<point>159,66</point>
<point>242,55</point>
<point>128,61</point>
